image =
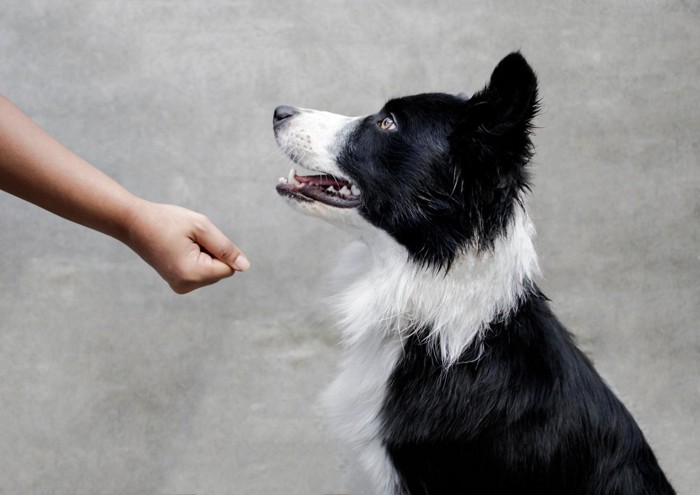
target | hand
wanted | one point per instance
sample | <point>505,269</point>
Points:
<point>184,247</point>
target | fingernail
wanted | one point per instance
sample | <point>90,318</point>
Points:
<point>241,263</point>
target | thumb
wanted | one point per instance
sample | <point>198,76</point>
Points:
<point>222,248</point>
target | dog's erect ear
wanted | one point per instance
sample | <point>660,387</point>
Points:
<point>497,119</point>
<point>512,92</point>
<point>490,145</point>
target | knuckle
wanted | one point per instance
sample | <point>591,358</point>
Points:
<point>201,222</point>
<point>227,252</point>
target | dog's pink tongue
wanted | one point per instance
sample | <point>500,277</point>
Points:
<point>321,180</point>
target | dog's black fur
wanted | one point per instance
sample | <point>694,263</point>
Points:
<point>529,416</point>
<point>522,411</point>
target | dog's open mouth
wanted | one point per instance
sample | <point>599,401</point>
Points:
<point>323,188</point>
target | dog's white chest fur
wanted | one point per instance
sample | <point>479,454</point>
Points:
<point>370,353</point>
<point>354,401</point>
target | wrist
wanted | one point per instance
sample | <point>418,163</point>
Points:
<point>127,218</point>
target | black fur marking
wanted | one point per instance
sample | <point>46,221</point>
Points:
<point>529,416</point>
<point>450,175</point>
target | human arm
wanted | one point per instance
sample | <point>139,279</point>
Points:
<point>184,247</point>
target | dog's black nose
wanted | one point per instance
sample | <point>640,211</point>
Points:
<point>283,112</point>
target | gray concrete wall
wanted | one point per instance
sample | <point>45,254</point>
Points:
<point>111,384</point>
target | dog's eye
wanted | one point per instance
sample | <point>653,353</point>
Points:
<point>387,124</point>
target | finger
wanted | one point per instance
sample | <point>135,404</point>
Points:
<point>203,271</point>
<point>212,270</point>
<point>222,248</point>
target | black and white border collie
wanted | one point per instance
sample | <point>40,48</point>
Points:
<point>456,377</point>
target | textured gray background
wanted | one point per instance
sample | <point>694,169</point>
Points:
<point>111,384</point>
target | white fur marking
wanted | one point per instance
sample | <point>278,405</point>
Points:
<point>479,289</point>
<point>312,139</point>
<point>354,402</point>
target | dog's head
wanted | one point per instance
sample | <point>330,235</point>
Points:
<point>439,173</point>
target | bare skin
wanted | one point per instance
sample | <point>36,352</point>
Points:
<point>184,247</point>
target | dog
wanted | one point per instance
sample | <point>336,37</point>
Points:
<point>455,375</point>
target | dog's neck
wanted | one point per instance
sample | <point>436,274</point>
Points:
<point>381,290</point>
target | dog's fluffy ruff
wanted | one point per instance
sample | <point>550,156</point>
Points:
<point>381,289</point>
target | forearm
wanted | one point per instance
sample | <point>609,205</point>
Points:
<point>37,168</point>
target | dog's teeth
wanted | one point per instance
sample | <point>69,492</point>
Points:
<point>331,189</point>
<point>355,190</point>
<point>344,191</point>
<point>282,179</point>
<point>291,179</point>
